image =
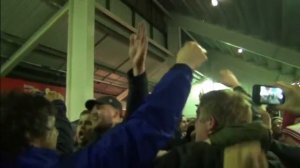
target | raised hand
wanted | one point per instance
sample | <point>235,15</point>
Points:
<point>191,54</point>
<point>228,78</point>
<point>53,95</point>
<point>292,98</point>
<point>138,48</point>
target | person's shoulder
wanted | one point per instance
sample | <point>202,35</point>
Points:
<point>192,155</point>
<point>198,148</point>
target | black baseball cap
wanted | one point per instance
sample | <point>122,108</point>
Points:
<point>110,100</point>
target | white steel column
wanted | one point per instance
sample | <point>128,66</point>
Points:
<point>80,61</point>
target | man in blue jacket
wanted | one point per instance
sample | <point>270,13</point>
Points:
<point>136,142</point>
<point>106,111</point>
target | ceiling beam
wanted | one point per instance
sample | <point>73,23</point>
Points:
<point>284,21</point>
<point>262,18</point>
<point>32,42</point>
<point>122,95</point>
<point>51,52</point>
<point>259,47</point>
<point>113,22</point>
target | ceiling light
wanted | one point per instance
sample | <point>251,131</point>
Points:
<point>296,83</point>
<point>214,2</point>
<point>240,50</point>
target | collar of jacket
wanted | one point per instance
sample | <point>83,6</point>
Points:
<point>232,135</point>
<point>38,157</point>
<point>99,132</point>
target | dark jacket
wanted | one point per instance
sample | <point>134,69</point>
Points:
<point>132,144</point>
<point>65,142</point>
<point>137,92</point>
<point>204,155</point>
<point>289,155</point>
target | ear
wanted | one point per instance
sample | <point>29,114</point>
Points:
<point>210,124</point>
<point>117,114</point>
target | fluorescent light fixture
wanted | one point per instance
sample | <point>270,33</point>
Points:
<point>240,50</point>
<point>296,83</point>
<point>199,73</point>
<point>214,2</point>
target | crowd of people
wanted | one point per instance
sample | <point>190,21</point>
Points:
<point>229,129</point>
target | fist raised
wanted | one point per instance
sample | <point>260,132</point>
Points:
<point>228,78</point>
<point>191,54</point>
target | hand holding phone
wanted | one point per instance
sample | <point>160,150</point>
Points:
<point>265,94</point>
<point>292,100</point>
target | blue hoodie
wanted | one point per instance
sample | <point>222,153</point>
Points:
<point>135,143</point>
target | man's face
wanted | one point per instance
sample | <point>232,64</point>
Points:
<point>183,124</point>
<point>104,115</point>
<point>201,127</point>
<point>276,126</point>
<point>84,129</point>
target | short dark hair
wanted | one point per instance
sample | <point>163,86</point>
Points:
<point>22,114</point>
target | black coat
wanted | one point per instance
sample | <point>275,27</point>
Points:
<point>137,92</point>
<point>204,155</point>
<point>65,142</point>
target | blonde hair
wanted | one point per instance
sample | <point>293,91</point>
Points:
<point>245,155</point>
<point>227,107</point>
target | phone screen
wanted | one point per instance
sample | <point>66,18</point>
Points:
<point>271,95</point>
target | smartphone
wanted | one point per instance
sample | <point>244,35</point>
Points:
<point>264,94</point>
